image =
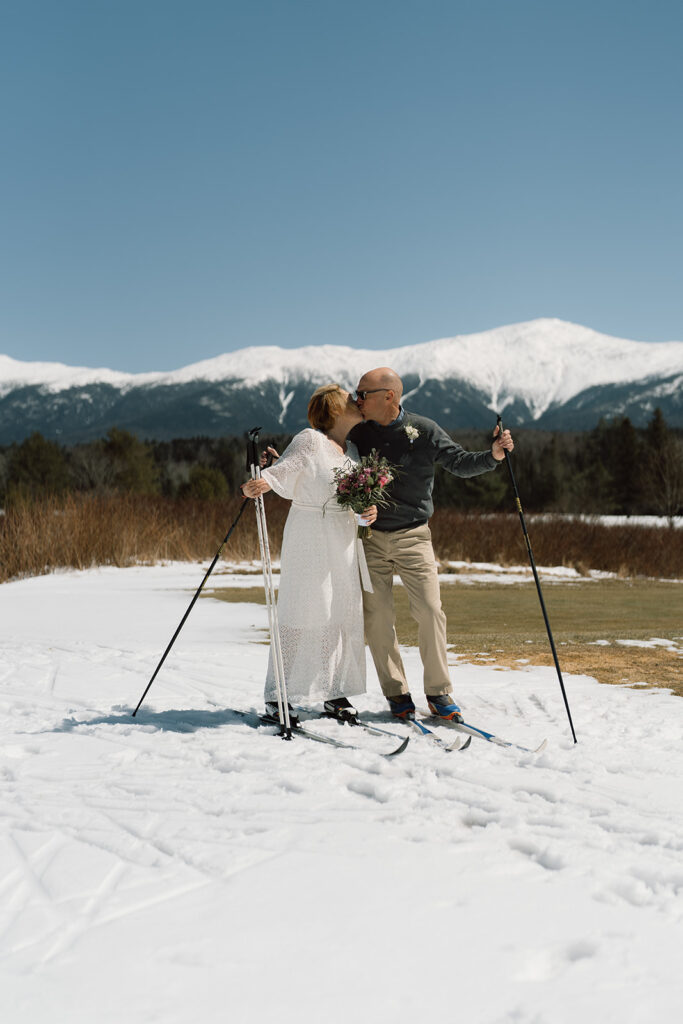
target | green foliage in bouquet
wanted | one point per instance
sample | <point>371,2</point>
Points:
<point>362,484</point>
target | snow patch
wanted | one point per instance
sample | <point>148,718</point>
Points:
<point>141,860</point>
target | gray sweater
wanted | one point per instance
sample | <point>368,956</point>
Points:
<point>410,492</point>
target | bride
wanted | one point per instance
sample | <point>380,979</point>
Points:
<point>319,603</point>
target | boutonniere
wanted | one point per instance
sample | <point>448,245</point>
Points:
<point>412,432</point>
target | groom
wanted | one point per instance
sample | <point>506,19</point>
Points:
<point>401,540</point>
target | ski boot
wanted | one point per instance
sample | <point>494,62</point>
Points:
<point>341,709</point>
<point>443,706</point>
<point>272,714</point>
<point>402,706</point>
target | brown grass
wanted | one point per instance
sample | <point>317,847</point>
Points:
<point>79,532</point>
<point>502,626</point>
<point>633,666</point>
<point>82,531</point>
<point>487,624</point>
<point>582,545</point>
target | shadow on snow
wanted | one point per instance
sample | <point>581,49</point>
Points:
<point>186,720</point>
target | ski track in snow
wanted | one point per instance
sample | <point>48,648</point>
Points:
<point>141,860</point>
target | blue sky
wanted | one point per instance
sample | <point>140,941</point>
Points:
<point>181,178</point>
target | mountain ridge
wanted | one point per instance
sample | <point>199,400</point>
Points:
<point>545,373</point>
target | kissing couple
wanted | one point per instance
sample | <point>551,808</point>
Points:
<point>334,589</point>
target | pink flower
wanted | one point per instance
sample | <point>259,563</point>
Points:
<point>361,485</point>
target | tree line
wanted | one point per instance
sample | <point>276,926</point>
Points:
<point>615,468</point>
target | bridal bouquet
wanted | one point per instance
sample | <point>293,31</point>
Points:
<point>362,485</point>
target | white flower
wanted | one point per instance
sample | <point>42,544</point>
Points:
<point>412,432</point>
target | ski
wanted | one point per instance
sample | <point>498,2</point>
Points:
<point>354,720</point>
<point>428,734</point>
<point>418,726</point>
<point>257,719</point>
<point>310,734</point>
<point>472,730</point>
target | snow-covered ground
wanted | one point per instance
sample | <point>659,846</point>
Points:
<point>185,866</point>
<point>659,521</point>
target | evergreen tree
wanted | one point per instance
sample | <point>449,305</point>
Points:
<point>36,468</point>
<point>205,483</point>
<point>627,467</point>
<point>132,463</point>
<point>609,465</point>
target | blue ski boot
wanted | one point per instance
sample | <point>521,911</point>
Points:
<point>402,706</point>
<point>443,706</point>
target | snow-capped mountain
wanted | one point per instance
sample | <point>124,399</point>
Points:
<point>545,373</point>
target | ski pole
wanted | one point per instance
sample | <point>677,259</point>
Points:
<point>518,503</point>
<point>192,602</point>
<point>269,587</point>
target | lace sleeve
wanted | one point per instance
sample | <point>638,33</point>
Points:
<point>283,475</point>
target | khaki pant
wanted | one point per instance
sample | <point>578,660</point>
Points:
<point>408,553</point>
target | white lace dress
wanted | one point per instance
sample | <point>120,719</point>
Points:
<point>319,601</point>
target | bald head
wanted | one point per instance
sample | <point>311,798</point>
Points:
<point>383,377</point>
<point>383,390</point>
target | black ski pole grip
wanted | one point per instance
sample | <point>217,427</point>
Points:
<point>252,446</point>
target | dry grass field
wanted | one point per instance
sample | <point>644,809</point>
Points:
<point>594,624</point>
<point>591,620</point>
<point>81,531</point>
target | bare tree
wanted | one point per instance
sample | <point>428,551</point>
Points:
<point>664,468</point>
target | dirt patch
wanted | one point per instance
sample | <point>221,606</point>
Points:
<point>635,666</point>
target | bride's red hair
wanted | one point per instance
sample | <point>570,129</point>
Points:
<point>326,404</point>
